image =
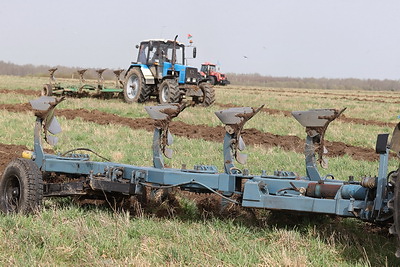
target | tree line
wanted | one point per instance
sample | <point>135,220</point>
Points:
<point>8,68</point>
<point>254,79</point>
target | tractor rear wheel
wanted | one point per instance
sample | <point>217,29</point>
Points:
<point>169,92</point>
<point>47,90</point>
<point>21,187</point>
<point>135,88</point>
<point>208,97</point>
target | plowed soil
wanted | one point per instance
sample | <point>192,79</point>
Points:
<point>8,153</point>
<point>319,94</point>
<point>251,136</point>
<point>20,91</point>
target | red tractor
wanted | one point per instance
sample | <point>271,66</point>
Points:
<point>209,71</point>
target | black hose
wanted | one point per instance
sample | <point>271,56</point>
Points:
<point>84,149</point>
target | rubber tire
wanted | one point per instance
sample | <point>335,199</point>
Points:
<point>47,90</point>
<point>142,92</point>
<point>213,81</point>
<point>169,92</point>
<point>208,95</point>
<point>396,212</point>
<point>25,176</point>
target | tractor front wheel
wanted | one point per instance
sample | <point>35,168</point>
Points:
<point>212,80</point>
<point>21,187</point>
<point>47,90</point>
<point>169,92</point>
<point>135,89</point>
<point>208,97</point>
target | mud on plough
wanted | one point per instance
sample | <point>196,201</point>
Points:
<point>26,181</point>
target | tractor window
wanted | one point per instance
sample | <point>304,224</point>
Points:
<point>143,51</point>
<point>167,53</point>
<point>213,68</point>
<point>204,68</point>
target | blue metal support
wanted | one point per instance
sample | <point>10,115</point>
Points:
<point>37,144</point>
<point>311,165</point>
<point>158,159</point>
<point>382,181</point>
<point>229,158</point>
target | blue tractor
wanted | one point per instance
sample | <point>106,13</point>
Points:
<point>160,71</point>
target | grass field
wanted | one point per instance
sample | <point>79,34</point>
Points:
<point>64,233</point>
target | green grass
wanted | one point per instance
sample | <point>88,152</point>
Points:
<point>17,82</point>
<point>71,235</point>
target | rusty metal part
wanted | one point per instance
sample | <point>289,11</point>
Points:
<point>52,78</point>
<point>322,190</point>
<point>100,79</point>
<point>369,182</point>
<point>118,82</point>
<point>81,73</point>
<point>318,133</point>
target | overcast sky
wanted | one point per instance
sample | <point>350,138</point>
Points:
<point>296,38</point>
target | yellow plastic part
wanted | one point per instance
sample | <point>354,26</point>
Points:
<point>27,154</point>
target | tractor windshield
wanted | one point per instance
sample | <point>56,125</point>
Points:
<point>208,68</point>
<point>167,51</point>
<point>204,68</point>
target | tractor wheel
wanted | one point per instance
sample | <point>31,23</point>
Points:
<point>21,187</point>
<point>394,205</point>
<point>135,89</point>
<point>212,80</point>
<point>169,92</point>
<point>208,97</point>
<point>47,90</point>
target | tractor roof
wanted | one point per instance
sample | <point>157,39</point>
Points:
<point>208,63</point>
<point>162,41</point>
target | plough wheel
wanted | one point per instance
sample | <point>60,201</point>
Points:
<point>21,187</point>
<point>47,90</point>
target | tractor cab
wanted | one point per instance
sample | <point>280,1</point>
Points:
<point>159,55</point>
<point>207,68</point>
<point>156,52</point>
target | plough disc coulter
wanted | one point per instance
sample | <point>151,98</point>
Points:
<point>373,199</point>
